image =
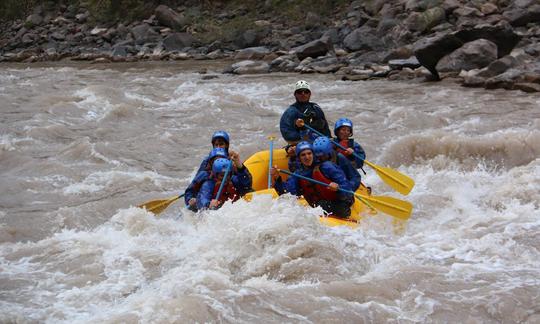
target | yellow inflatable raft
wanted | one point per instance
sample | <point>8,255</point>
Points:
<point>257,165</point>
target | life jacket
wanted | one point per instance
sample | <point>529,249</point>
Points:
<point>347,143</point>
<point>310,116</point>
<point>228,192</point>
<point>314,192</point>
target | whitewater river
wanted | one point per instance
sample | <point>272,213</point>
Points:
<point>80,145</point>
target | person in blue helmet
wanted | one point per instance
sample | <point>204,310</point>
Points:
<point>343,130</point>
<point>332,201</point>
<point>323,148</point>
<point>220,139</point>
<point>190,195</point>
<point>237,184</point>
<point>302,112</point>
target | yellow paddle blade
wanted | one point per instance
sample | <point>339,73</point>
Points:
<point>157,206</point>
<point>270,191</point>
<point>395,179</point>
<point>392,206</point>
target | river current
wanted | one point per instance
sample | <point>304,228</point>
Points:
<point>80,145</point>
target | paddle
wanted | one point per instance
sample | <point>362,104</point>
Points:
<point>392,206</point>
<point>395,179</point>
<point>157,206</point>
<point>270,161</point>
<point>223,181</point>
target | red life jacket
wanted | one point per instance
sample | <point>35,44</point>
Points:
<point>228,192</point>
<point>346,143</point>
<point>315,192</point>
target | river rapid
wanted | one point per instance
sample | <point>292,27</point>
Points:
<point>80,145</point>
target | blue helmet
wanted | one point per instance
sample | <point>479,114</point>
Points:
<point>343,122</point>
<point>218,152</point>
<point>220,134</point>
<point>322,146</point>
<point>302,146</point>
<point>220,165</point>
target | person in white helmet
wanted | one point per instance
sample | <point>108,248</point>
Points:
<point>302,112</point>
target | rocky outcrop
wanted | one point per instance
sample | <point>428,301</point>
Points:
<point>491,44</point>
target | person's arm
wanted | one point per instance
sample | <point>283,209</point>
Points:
<point>205,194</point>
<point>287,126</point>
<point>292,185</point>
<point>242,180</point>
<point>326,128</point>
<point>359,150</point>
<point>336,175</point>
<point>203,165</point>
<point>350,172</point>
<point>193,189</point>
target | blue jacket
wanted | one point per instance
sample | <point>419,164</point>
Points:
<point>193,189</point>
<point>358,150</point>
<point>328,169</point>
<point>241,181</point>
<point>350,172</point>
<point>312,115</point>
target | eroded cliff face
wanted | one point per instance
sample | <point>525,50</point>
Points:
<point>484,43</point>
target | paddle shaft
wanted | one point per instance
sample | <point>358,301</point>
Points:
<point>270,162</point>
<point>223,181</point>
<point>333,142</point>
<point>315,181</point>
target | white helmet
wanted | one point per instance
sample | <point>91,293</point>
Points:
<point>301,84</point>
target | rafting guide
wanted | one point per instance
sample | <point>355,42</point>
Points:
<point>302,112</point>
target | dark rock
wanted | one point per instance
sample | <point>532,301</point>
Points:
<point>426,20</point>
<point>58,36</point>
<point>248,38</point>
<point>177,41</point>
<point>473,82</point>
<point>119,51</point>
<point>411,62</point>
<point>285,63</point>
<point>82,17</point>
<point>252,53</point>
<point>473,55</point>
<point>523,16</point>
<point>489,8</point>
<point>363,38</point>
<point>467,12</point>
<point>527,87</point>
<point>497,67</point>
<point>450,5</point>
<point>314,49</point>
<point>170,18</point>
<point>501,34</point>
<point>34,19</point>
<point>505,80</point>
<point>430,50</point>
<point>144,34</point>
<point>333,35</point>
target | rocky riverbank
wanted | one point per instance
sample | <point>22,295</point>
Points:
<point>491,44</point>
